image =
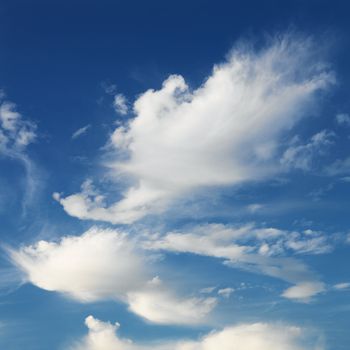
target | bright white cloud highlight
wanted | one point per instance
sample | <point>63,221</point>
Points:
<point>225,132</point>
<point>257,336</point>
<point>104,264</point>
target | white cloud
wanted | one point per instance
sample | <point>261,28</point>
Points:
<point>102,336</point>
<point>98,264</point>
<point>121,104</point>
<point>304,291</point>
<point>256,336</point>
<point>81,131</point>
<point>302,156</point>
<point>226,292</point>
<point>226,132</point>
<point>259,250</point>
<point>15,132</point>
<point>343,119</point>
<point>105,264</point>
<point>342,286</point>
<point>158,305</point>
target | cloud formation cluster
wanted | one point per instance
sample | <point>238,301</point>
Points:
<point>232,129</point>
<point>256,336</point>
<point>105,264</point>
<point>226,132</point>
<point>260,250</point>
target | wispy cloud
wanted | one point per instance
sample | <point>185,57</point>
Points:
<point>81,131</point>
<point>16,134</point>
<point>121,104</point>
<point>265,251</point>
<point>303,156</point>
<point>343,119</point>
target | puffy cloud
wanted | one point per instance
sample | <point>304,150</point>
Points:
<point>225,132</point>
<point>303,291</point>
<point>256,336</point>
<point>81,131</point>
<point>259,250</point>
<point>98,264</point>
<point>105,264</point>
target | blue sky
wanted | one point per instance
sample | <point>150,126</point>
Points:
<point>174,175</point>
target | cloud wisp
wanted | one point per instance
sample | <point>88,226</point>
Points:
<point>81,131</point>
<point>228,131</point>
<point>16,134</point>
<point>259,250</point>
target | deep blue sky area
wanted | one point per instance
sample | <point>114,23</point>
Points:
<point>62,64</point>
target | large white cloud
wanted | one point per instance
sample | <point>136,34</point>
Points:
<point>105,264</point>
<point>257,336</point>
<point>225,132</point>
<point>98,264</point>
